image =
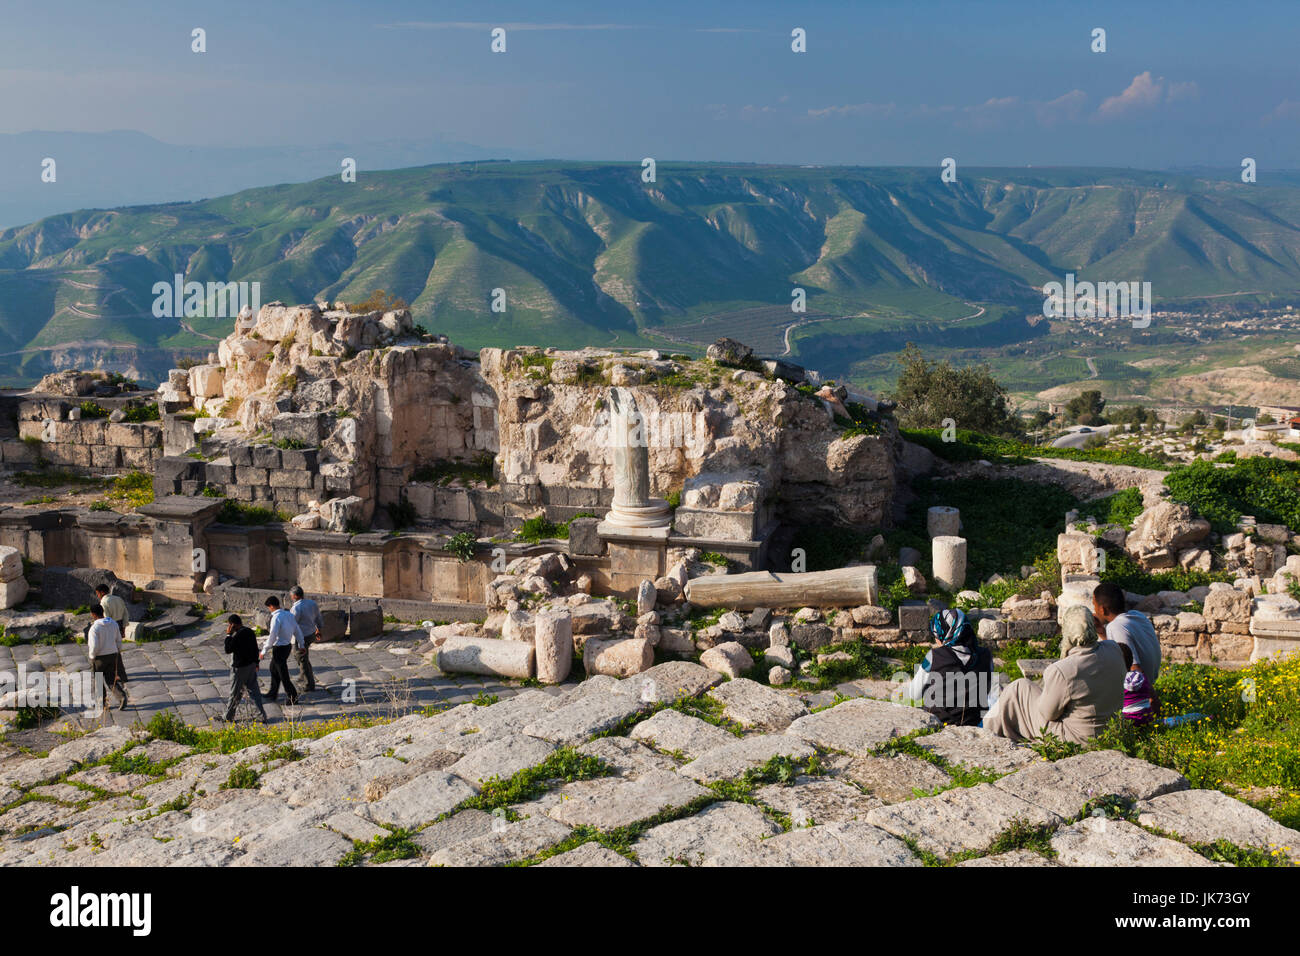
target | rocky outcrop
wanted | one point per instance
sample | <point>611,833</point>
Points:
<point>740,447</point>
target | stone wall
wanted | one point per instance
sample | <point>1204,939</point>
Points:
<point>742,449</point>
<point>52,430</point>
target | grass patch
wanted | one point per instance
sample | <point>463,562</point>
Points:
<point>396,845</point>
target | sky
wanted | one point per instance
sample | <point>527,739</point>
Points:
<point>1183,84</point>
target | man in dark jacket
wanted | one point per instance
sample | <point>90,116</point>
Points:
<point>241,645</point>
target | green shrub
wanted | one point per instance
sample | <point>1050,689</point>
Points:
<point>1120,508</point>
<point>462,546</point>
<point>141,413</point>
<point>239,512</point>
<point>1267,488</point>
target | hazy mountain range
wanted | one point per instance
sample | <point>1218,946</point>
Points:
<point>589,253</point>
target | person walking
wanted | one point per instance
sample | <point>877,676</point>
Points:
<point>307,613</point>
<point>281,637</point>
<point>104,646</point>
<point>114,607</point>
<point>241,645</point>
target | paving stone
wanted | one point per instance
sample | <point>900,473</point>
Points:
<point>1011,858</point>
<point>967,818</point>
<point>582,719</point>
<point>149,852</point>
<point>464,826</point>
<point>34,813</point>
<point>308,847</point>
<point>1064,786</point>
<point>588,854</point>
<point>893,779</point>
<point>732,760</point>
<point>879,689</point>
<point>353,827</point>
<point>859,726</point>
<point>63,792</point>
<point>694,839</point>
<point>1203,816</point>
<point>105,779</point>
<point>976,747</point>
<point>337,777</point>
<point>1098,841</point>
<point>810,800</point>
<point>627,757</point>
<point>423,799</point>
<point>502,758</point>
<point>621,803</point>
<point>669,681</point>
<point>752,704</point>
<point>672,730</point>
<point>835,844</point>
<point>31,773</point>
<point>505,844</point>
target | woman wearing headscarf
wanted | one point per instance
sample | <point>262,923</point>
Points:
<point>953,680</point>
<point>1078,694</point>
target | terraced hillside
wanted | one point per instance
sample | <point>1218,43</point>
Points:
<point>589,254</point>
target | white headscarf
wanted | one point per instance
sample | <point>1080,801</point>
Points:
<point>1078,628</point>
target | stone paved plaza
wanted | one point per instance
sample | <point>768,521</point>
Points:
<point>669,767</point>
<point>190,675</point>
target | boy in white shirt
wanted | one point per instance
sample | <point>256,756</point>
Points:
<point>104,646</point>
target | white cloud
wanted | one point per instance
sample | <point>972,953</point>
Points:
<point>1145,92</point>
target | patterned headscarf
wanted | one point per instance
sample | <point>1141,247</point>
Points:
<point>951,628</point>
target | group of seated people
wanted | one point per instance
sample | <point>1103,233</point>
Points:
<point>1110,659</point>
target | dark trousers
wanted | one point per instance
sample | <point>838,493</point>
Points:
<point>280,674</point>
<point>302,656</point>
<point>110,665</point>
<point>244,679</point>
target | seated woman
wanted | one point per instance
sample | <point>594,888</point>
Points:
<point>954,679</point>
<point>1078,694</point>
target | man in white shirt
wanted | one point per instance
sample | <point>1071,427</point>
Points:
<point>307,613</point>
<point>282,636</point>
<point>104,646</point>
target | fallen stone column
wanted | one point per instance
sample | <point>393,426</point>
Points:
<point>842,587</point>
<point>948,562</point>
<point>486,655</point>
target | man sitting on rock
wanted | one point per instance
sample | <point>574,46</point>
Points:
<point>1127,627</point>
<point>953,681</point>
<point>1078,694</point>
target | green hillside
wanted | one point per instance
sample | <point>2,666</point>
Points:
<point>588,254</point>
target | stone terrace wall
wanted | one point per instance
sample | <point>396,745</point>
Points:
<point>51,429</point>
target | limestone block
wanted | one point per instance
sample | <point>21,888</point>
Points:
<point>948,560</point>
<point>942,520</point>
<point>206,381</point>
<point>483,655</point>
<point>618,658</point>
<point>553,642</point>
<point>729,658</point>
